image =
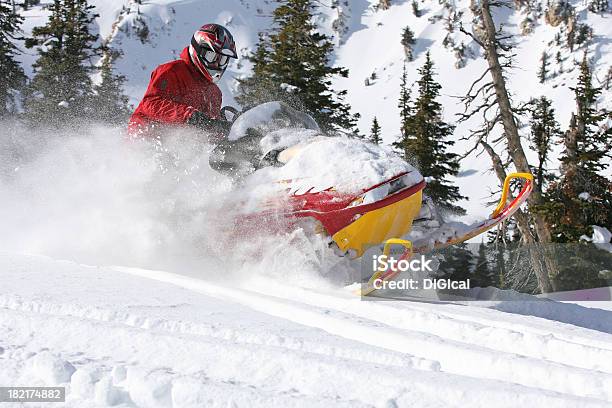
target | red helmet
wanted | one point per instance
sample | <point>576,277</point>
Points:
<point>211,48</point>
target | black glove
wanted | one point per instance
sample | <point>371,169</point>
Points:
<point>216,126</point>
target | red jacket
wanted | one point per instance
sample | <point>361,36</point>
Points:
<point>176,90</point>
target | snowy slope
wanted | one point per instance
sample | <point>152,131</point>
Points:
<point>125,336</point>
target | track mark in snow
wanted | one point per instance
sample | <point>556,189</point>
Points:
<point>275,376</point>
<point>212,332</point>
<point>475,361</point>
<point>494,334</point>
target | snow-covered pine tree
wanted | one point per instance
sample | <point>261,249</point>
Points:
<point>13,78</point>
<point>543,71</point>
<point>582,197</point>
<point>426,139</point>
<point>544,131</point>
<point>375,136</point>
<point>298,68</point>
<point>408,41</point>
<point>109,102</point>
<point>61,87</point>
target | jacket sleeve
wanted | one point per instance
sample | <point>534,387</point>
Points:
<point>159,101</point>
<point>216,100</point>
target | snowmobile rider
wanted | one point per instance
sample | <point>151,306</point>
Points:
<point>184,91</point>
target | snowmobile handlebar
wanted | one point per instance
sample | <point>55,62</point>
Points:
<point>235,113</point>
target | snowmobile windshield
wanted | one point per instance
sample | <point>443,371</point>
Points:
<point>268,117</point>
<point>258,136</point>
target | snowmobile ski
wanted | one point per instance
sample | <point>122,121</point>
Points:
<point>431,242</point>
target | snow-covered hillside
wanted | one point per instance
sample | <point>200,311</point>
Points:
<point>368,41</point>
<point>133,337</point>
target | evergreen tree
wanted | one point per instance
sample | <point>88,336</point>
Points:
<point>415,8</point>
<point>13,78</point>
<point>582,197</point>
<point>543,72</point>
<point>61,86</point>
<point>109,101</point>
<point>426,139</point>
<point>375,136</point>
<point>544,130</point>
<point>497,241</point>
<point>298,69</point>
<point>26,4</point>
<point>404,103</point>
<point>482,275</point>
<point>594,144</point>
<point>408,41</point>
<point>585,33</point>
<point>599,6</point>
<point>256,89</point>
<point>457,263</point>
<point>141,28</point>
<point>559,61</point>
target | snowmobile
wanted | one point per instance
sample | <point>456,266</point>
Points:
<point>292,174</point>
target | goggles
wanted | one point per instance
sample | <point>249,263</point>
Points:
<point>213,59</point>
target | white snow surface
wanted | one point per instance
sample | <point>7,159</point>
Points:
<point>281,139</point>
<point>602,237</point>
<point>348,165</point>
<point>318,162</point>
<point>118,336</point>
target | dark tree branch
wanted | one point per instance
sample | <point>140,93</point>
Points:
<point>476,40</point>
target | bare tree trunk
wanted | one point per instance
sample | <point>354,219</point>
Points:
<point>517,154</point>
<point>522,222</point>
